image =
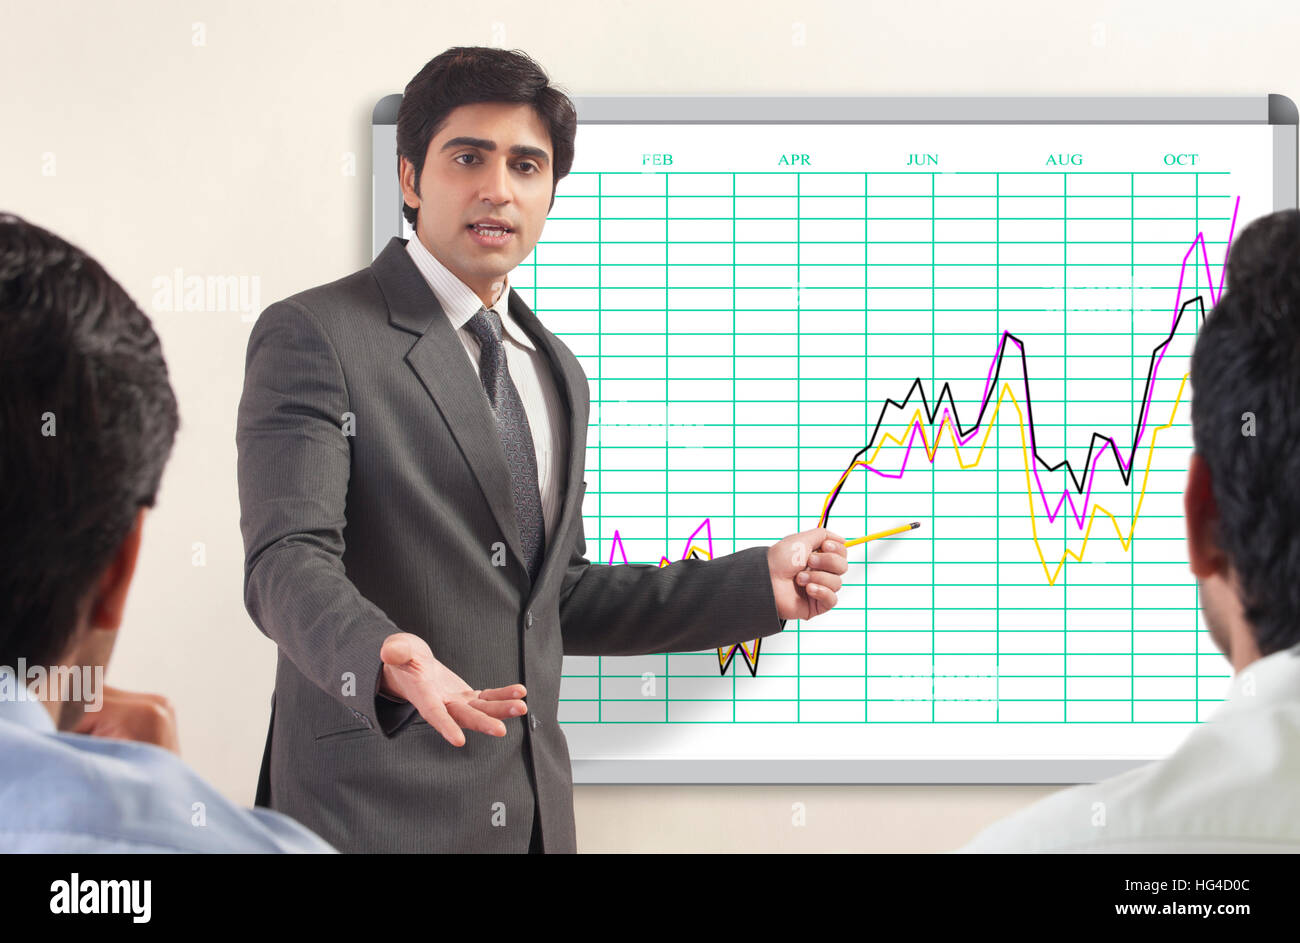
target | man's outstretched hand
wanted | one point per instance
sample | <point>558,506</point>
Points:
<point>806,570</point>
<point>440,695</point>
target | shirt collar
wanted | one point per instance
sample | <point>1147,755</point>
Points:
<point>1268,681</point>
<point>458,299</point>
<point>19,706</point>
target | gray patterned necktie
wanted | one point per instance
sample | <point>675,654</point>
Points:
<point>516,435</point>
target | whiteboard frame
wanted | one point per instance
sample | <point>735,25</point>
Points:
<point>1279,111</point>
<point>1276,110</point>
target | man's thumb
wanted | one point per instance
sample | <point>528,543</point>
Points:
<point>399,649</point>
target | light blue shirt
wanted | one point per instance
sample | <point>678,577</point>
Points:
<point>70,792</point>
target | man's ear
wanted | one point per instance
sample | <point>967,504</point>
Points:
<point>1204,555</point>
<point>110,595</point>
<point>409,182</point>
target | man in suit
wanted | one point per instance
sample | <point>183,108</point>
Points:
<point>412,442</point>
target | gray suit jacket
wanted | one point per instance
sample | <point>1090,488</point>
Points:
<point>372,489</point>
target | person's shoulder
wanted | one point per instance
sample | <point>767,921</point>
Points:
<point>1230,783</point>
<point>358,287</point>
<point>69,792</point>
<point>347,301</point>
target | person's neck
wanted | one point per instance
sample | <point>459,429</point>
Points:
<point>63,696</point>
<point>487,291</point>
<point>55,708</point>
<point>1243,650</point>
<point>493,293</point>
<point>87,659</point>
<point>1225,614</point>
<point>17,685</point>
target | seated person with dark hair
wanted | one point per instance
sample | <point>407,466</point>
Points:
<point>87,421</point>
<point>1234,783</point>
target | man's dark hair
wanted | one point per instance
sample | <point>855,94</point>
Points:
<point>467,75</point>
<point>1247,361</point>
<point>87,421</point>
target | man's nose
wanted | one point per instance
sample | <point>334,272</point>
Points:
<point>495,187</point>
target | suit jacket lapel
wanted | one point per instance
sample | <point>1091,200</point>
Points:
<point>438,359</point>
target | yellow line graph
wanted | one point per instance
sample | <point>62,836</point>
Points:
<point>1024,444</point>
<point>751,650</point>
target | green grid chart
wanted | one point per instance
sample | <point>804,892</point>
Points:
<point>744,326</point>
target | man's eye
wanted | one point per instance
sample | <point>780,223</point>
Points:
<point>529,163</point>
<point>459,156</point>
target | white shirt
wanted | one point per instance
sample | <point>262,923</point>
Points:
<point>530,370</point>
<point>1232,786</point>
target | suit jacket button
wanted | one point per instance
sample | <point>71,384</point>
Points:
<point>536,723</point>
<point>529,619</point>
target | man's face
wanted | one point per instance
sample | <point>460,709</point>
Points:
<point>489,161</point>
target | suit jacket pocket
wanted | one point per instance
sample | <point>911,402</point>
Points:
<point>345,733</point>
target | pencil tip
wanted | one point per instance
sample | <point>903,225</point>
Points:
<point>915,524</point>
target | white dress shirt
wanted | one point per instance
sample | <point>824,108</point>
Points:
<point>529,367</point>
<point>1232,786</point>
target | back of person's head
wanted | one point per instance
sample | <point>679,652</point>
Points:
<point>468,75</point>
<point>87,421</point>
<point>1246,423</point>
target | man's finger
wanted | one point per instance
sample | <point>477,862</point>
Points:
<point>509,693</point>
<point>475,719</point>
<point>121,695</point>
<point>821,597</point>
<point>829,562</point>
<point>830,581</point>
<point>501,709</point>
<point>832,544</point>
<point>431,709</point>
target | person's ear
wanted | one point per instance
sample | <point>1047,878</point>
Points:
<point>1204,555</point>
<point>110,596</point>
<point>410,183</point>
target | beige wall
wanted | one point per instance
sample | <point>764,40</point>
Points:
<point>227,159</point>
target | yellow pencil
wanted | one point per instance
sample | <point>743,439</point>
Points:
<point>884,533</point>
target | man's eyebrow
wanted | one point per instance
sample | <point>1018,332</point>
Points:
<point>519,150</point>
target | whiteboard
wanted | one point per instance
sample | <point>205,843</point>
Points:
<point>972,313</point>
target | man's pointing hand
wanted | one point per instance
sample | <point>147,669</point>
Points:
<point>806,570</point>
<point>440,695</point>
